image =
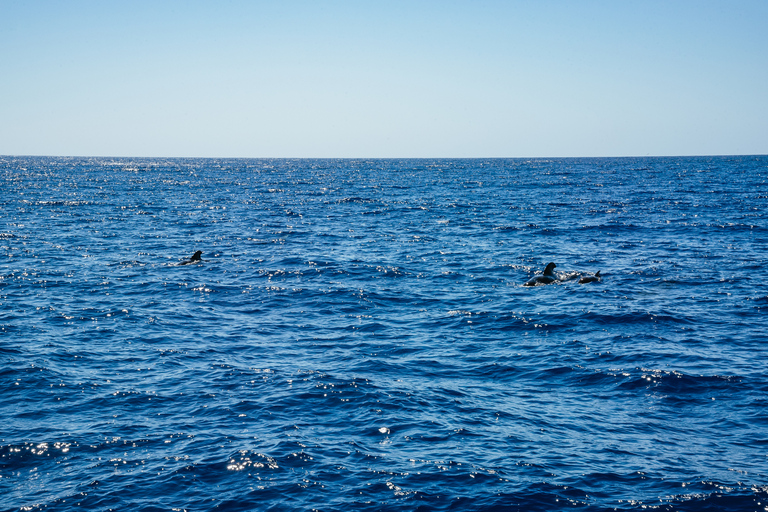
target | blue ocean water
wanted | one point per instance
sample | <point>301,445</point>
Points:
<point>357,336</point>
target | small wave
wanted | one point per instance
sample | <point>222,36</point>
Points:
<point>358,200</point>
<point>678,384</point>
<point>637,317</point>
<point>17,457</point>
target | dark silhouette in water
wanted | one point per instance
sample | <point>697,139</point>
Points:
<point>546,278</point>
<point>194,259</point>
<point>591,279</point>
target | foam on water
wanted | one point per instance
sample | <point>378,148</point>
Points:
<point>358,336</point>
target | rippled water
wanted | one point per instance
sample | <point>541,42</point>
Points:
<point>357,336</point>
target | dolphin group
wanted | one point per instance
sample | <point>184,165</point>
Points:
<point>549,277</point>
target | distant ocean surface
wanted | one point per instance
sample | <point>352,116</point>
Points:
<point>357,336</point>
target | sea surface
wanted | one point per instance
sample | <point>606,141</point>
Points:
<point>357,336</point>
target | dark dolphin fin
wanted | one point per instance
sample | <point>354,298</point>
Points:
<point>194,259</point>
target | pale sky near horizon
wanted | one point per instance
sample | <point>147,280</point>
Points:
<point>383,79</point>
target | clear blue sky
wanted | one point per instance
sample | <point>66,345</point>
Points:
<point>383,79</point>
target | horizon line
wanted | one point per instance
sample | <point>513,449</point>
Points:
<point>389,157</point>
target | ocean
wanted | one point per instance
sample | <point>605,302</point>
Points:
<point>357,336</point>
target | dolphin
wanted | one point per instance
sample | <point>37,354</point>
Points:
<point>546,278</point>
<point>591,279</point>
<point>194,259</point>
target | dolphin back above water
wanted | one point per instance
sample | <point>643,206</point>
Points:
<point>547,277</point>
<point>194,259</point>
<point>591,279</point>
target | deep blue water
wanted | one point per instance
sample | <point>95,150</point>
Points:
<point>358,336</point>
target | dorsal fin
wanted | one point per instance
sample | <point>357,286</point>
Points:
<point>550,267</point>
